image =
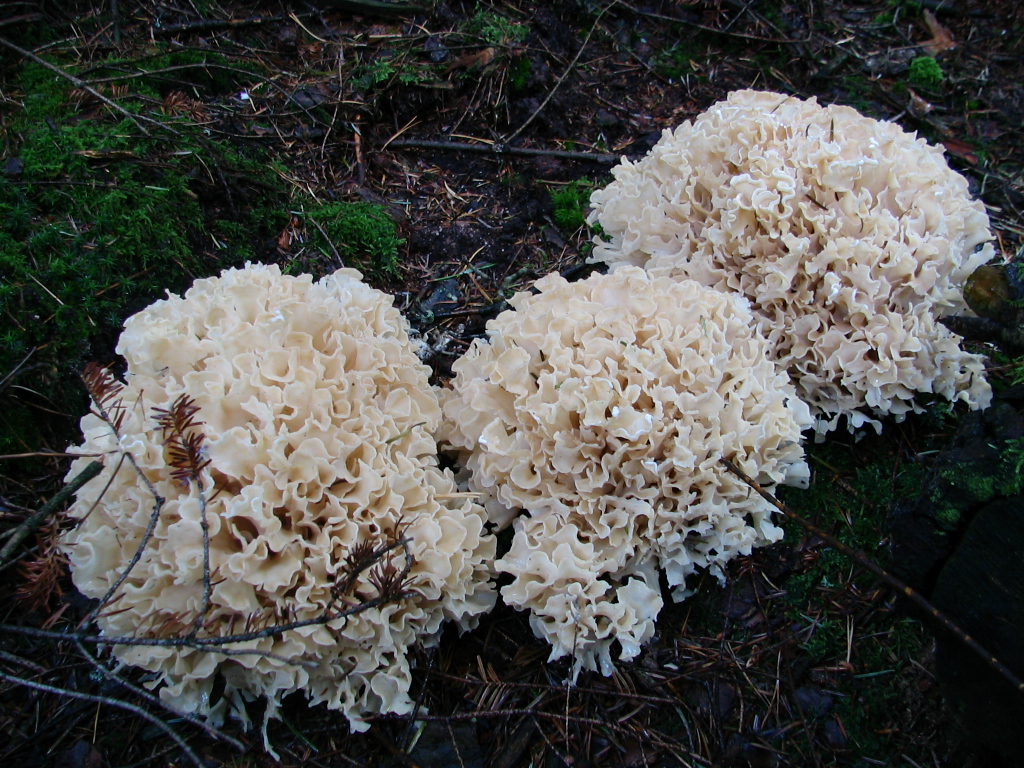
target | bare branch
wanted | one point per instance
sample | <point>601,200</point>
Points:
<point>135,710</point>
<point>31,523</point>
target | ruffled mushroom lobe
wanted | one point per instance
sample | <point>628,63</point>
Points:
<point>849,236</point>
<point>305,459</point>
<point>601,408</point>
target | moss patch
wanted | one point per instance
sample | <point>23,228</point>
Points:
<point>363,234</point>
<point>100,220</point>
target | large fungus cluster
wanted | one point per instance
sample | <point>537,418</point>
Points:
<point>849,236</point>
<point>795,261</point>
<point>602,408</point>
<point>318,423</point>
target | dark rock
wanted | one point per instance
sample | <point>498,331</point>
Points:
<point>442,745</point>
<point>975,470</point>
<point>82,754</point>
<point>740,751</point>
<point>835,736</point>
<point>444,298</point>
<point>711,699</point>
<point>438,51</point>
<point>981,588</point>
<point>813,701</point>
<point>606,119</point>
<point>13,167</point>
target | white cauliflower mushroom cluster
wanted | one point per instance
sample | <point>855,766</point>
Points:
<point>318,422</point>
<point>849,236</point>
<point>602,408</point>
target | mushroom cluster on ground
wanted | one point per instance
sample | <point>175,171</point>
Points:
<point>318,423</point>
<point>602,408</point>
<point>777,266</point>
<point>850,237</point>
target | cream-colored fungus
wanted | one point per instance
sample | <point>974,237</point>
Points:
<point>318,420</point>
<point>849,236</point>
<point>601,408</point>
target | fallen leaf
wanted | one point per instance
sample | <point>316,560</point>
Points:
<point>918,106</point>
<point>941,40</point>
<point>961,150</point>
<point>481,58</point>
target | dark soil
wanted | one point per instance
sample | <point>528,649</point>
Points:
<point>802,658</point>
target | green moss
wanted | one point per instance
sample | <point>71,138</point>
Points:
<point>925,72</point>
<point>827,641</point>
<point>855,510</point>
<point>372,74</point>
<point>173,68</point>
<point>101,221</point>
<point>898,9</point>
<point>519,74</point>
<point>674,63</point>
<point>363,234</point>
<point>968,484</point>
<point>570,204</point>
<point>495,29</point>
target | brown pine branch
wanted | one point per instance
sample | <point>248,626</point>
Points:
<point>105,390</point>
<point>183,438</point>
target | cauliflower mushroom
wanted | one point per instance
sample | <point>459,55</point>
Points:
<point>318,422</point>
<point>601,408</point>
<point>849,236</point>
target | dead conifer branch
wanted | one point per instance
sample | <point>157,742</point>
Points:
<point>183,439</point>
<point>104,389</point>
<point>501,150</point>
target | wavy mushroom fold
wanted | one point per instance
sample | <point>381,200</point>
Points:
<point>317,419</point>
<point>849,236</point>
<point>592,420</point>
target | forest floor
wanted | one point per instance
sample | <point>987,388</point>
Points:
<point>480,129</point>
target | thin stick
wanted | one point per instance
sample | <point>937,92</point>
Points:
<point>501,149</point>
<point>205,525</point>
<point>212,643</point>
<point>146,695</point>
<point>148,716</point>
<point>6,380</point>
<point>79,83</point>
<point>565,74</point>
<point>158,504</point>
<point>33,521</point>
<point>327,239</point>
<point>883,575</point>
